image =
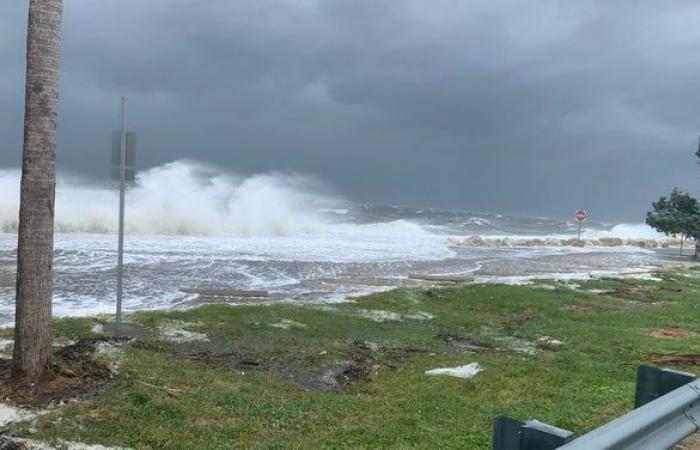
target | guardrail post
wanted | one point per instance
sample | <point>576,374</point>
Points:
<point>511,434</point>
<point>653,383</point>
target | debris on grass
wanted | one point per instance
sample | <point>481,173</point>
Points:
<point>108,348</point>
<point>76,373</point>
<point>671,333</point>
<point>286,324</point>
<point>598,291</point>
<point>547,287</point>
<point>61,342</point>
<point>172,392</point>
<point>548,343</point>
<point>10,414</point>
<point>488,344</point>
<point>176,331</point>
<point>516,344</point>
<point>419,315</point>
<point>378,315</point>
<point>9,443</point>
<point>467,371</point>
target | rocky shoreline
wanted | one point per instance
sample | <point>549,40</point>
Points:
<point>479,241</point>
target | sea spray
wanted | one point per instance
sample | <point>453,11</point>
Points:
<point>185,197</point>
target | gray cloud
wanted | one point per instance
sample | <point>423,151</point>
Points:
<point>513,106</point>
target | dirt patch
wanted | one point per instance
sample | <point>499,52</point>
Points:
<point>593,306</point>
<point>676,359</point>
<point>642,294</point>
<point>364,359</point>
<point>516,320</point>
<point>670,289</point>
<point>359,360</point>
<point>583,306</point>
<point>691,443</point>
<point>547,343</point>
<point>231,360</point>
<point>671,333</point>
<point>11,444</point>
<point>75,374</point>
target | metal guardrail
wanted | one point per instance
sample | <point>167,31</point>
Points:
<point>667,410</point>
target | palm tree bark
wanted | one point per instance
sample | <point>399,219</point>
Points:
<point>31,359</point>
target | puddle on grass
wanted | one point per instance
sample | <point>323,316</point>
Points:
<point>487,344</point>
<point>177,331</point>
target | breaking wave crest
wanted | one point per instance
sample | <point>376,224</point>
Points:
<point>185,197</point>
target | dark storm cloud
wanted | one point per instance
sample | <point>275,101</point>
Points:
<point>511,106</point>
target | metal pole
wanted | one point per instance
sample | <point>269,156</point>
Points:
<point>122,188</point>
<point>579,230</point>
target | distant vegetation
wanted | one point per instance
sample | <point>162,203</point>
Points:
<point>676,215</point>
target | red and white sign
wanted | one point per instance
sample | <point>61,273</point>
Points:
<point>580,215</point>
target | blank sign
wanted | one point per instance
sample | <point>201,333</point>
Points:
<point>130,168</point>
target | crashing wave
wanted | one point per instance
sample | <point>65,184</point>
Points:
<point>183,197</point>
<point>189,198</point>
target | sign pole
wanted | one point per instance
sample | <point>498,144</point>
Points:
<point>579,230</point>
<point>122,189</point>
<point>580,216</point>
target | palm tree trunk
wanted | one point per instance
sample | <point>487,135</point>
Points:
<point>32,350</point>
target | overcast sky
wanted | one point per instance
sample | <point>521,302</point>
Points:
<point>528,107</point>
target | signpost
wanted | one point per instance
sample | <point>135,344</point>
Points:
<point>580,217</point>
<point>123,170</point>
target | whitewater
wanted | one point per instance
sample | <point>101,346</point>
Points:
<point>192,225</point>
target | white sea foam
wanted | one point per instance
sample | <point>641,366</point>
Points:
<point>185,197</point>
<point>625,231</point>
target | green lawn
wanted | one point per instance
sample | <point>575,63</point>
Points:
<point>213,397</point>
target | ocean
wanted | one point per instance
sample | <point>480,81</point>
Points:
<point>193,226</point>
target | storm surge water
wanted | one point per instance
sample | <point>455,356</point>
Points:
<point>191,225</point>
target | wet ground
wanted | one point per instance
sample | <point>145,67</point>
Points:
<point>301,268</point>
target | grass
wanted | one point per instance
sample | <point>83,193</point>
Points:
<point>582,384</point>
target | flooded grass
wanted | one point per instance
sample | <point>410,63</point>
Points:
<point>288,376</point>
